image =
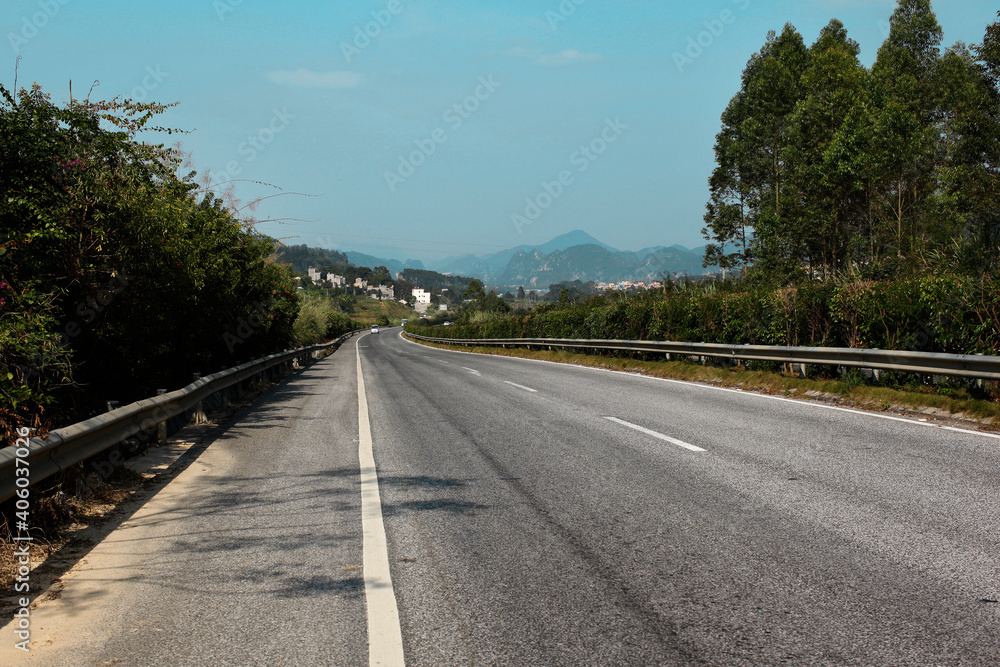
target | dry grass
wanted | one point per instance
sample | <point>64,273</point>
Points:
<point>369,310</point>
<point>958,402</point>
<point>55,515</point>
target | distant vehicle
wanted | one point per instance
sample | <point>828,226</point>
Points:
<point>403,323</point>
<point>374,328</point>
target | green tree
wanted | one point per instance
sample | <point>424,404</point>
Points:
<point>748,185</point>
<point>967,213</point>
<point>727,214</point>
<point>475,291</point>
<point>827,200</point>
<point>905,112</point>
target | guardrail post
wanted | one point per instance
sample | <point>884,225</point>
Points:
<point>199,416</point>
<point>161,427</point>
<point>113,405</point>
<point>802,370</point>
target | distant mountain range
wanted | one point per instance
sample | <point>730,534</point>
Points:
<point>573,256</point>
<point>394,265</point>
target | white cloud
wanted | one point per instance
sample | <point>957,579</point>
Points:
<point>303,78</point>
<point>570,57</point>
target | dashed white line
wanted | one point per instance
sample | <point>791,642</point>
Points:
<point>385,640</point>
<point>521,386</point>
<point>472,370</point>
<point>667,438</point>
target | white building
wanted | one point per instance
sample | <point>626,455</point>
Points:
<point>335,280</point>
<point>360,284</point>
<point>421,295</point>
<point>314,275</point>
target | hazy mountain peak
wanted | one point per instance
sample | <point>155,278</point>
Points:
<point>573,238</point>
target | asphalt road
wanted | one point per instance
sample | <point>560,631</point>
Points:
<point>539,514</point>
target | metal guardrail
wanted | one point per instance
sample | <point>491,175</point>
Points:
<point>974,366</point>
<point>73,444</point>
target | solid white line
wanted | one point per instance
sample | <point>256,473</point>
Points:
<point>675,441</point>
<point>385,640</point>
<point>471,370</point>
<point>798,401</point>
<point>521,386</point>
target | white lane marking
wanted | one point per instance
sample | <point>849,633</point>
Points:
<point>471,370</point>
<point>385,640</point>
<point>521,386</point>
<point>797,401</point>
<point>674,441</point>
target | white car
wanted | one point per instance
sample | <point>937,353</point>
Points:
<point>374,328</point>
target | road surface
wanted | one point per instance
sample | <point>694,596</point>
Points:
<point>542,514</point>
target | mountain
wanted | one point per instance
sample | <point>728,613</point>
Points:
<point>572,256</point>
<point>592,262</point>
<point>571,239</point>
<point>395,266</point>
<point>490,268</point>
<point>538,269</point>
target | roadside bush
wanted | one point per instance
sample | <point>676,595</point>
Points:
<point>954,314</point>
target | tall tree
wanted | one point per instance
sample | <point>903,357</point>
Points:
<point>727,214</point>
<point>747,186</point>
<point>827,202</point>
<point>968,203</point>
<point>905,120</point>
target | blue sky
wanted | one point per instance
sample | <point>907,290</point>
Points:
<point>597,115</point>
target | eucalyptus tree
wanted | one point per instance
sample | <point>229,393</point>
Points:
<point>968,203</point>
<point>747,185</point>
<point>827,205</point>
<point>905,115</point>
